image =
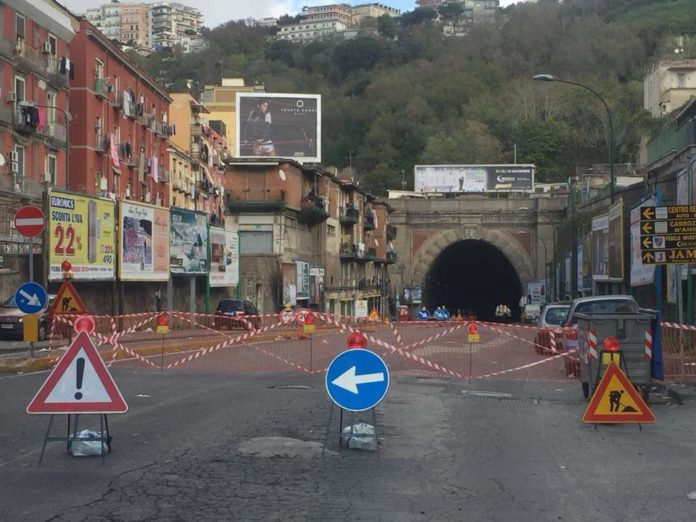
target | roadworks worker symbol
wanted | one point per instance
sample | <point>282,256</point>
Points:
<point>616,401</point>
<point>374,315</point>
<point>68,301</point>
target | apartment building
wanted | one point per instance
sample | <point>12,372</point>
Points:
<point>152,26</point>
<point>318,22</point>
<point>35,45</point>
<point>173,24</point>
<point>374,10</point>
<point>305,238</point>
<point>121,130</point>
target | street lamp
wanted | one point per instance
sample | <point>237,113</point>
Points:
<point>68,118</point>
<point>551,78</point>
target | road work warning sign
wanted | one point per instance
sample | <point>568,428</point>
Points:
<point>616,401</point>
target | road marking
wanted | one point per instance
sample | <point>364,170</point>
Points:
<point>492,394</point>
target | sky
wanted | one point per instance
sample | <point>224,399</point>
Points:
<point>216,12</point>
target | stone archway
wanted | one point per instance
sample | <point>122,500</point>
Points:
<point>508,244</point>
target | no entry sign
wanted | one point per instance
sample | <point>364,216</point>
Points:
<point>29,221</point>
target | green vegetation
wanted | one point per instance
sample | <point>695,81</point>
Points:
<point>403,94</point>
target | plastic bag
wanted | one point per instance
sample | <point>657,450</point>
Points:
<point>364,437</point>
<point>85,448</point>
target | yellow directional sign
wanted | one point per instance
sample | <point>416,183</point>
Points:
<point>648,258</point>
<point>648,213</point>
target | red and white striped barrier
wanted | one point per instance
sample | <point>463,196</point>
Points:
<point>395,331</point>
<point>678,326</point>
<point>648,344</point>
<point>592,344</point>
<point>526,366</point>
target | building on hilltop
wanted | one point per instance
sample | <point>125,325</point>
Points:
<point>668,85</point>
<point>163,24</point>
<point>374,10</point>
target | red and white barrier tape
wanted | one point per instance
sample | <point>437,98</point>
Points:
<point>395,331</point>
<point>678,326</point>
<point>526,366</point>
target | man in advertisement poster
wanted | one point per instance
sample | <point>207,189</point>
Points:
<point>259,129</point>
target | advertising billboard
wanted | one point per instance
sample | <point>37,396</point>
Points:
<point>279,126</point>
<point>144,242</point>
<point>188,242</point>
<point>81,231</point>
<point>615,242</point>
<point>600,248</point>
<point>224,258</point>
<point>640,274</point>
<point>412,295</point>
<point>474,178</point>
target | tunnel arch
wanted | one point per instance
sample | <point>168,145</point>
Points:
<point>500,249</point>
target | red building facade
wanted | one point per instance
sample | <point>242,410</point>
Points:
<point>35,40</point>
<point>120,130</point>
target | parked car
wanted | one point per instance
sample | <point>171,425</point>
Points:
<point>231,312</point>
<point>600,304</point>
<point>11,320</point>
<point>532,312</point>
<point>551,319</point>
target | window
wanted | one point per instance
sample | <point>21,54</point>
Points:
<point>53,44</point>
<point>331,231</point>
<point>19,26</point>
<point>20,161</point>
<point>51,102</point>
<point>681,80</point>
<point>20,89</point>
<point>98,69</point>
<point>51,168</point>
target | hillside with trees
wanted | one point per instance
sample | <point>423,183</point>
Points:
<point>402,93</point>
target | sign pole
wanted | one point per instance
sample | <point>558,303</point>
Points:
<point>31,259</point>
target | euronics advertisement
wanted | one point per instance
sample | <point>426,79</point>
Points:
<point>81,231</point>
<point>224,258</point>
<point>474,178</point>
<point>188,245</point>
<point>279,126</point>
<point>144,243</point>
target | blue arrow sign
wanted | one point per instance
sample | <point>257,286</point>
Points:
<point>357,380</point>
<point>31,298</point>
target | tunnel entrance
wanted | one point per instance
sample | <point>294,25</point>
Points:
<point>473,276</point>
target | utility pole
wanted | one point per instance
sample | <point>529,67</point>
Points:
<point>403,180</point>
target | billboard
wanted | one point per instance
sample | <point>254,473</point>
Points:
<point>81,231</point>
<point>279,126</point>
<point>640,274</point>
<point>412,295</point>
<point>600,248</point>
<point>143,242</point>
<point>188,242</point>
<point>474,178</point>
<point>224,258</point>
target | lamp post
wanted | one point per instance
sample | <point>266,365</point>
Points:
<point>67,117</point>
<point>551,78</point>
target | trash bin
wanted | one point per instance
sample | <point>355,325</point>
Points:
<point>630,331</point>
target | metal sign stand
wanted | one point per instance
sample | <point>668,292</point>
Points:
<point>352,423</point>
<point>622,364</point>
<point>105,440</point>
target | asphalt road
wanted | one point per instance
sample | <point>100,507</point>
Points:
<point>185,451</point>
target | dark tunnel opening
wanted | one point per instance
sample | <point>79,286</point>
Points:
<point>474,277</point>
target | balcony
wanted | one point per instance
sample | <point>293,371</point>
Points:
<point>54,132</point>
<point>391,232</point>
<point>126,154</point>
<point>371,254</point>
<point>256,200</point>
<point>101,143</point>
<point>164,176</point>
<point>28,59</point>
<point>20,122</point>
<point>116,100</point>
<point>672,139</point>
<point>349,252</point>
<point>55,77</point>
<point>391,258</point>
<point>349,216</point>
<point>369,221</point>
<point>101,88</point>
<point>147,119</point>
<point>313,210</point>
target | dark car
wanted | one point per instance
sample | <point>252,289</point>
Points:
<point>236,313</point>
<point>11,320</point>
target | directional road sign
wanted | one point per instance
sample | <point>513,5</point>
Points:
<point>29,221</point>
<point>668,234</point>
<point>357,380</point>
<point>31,298</point>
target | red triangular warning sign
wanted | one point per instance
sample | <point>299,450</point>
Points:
<point>80,383</point>
<point>616,401</point>
<point>68,301</point>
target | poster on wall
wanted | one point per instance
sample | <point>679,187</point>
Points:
<point>615,266</point>
<point>188,245</point>
<point>224,258</point>
<point>81,231</point>
<point>640,274</point>
<point>316,281</point>
<point>360,308</point>
<point>600,248</point>
<point>536,292</point>
<point>144,242</point>
<point>289,274</point>
<point>302,280</point>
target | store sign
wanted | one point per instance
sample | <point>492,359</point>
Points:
<point>81,231</point>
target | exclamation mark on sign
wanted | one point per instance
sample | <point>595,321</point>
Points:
<point>79,375</point>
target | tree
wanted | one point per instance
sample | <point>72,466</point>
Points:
<point>386,26</point>
<point>418,16</point>
<point>451,13</point>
